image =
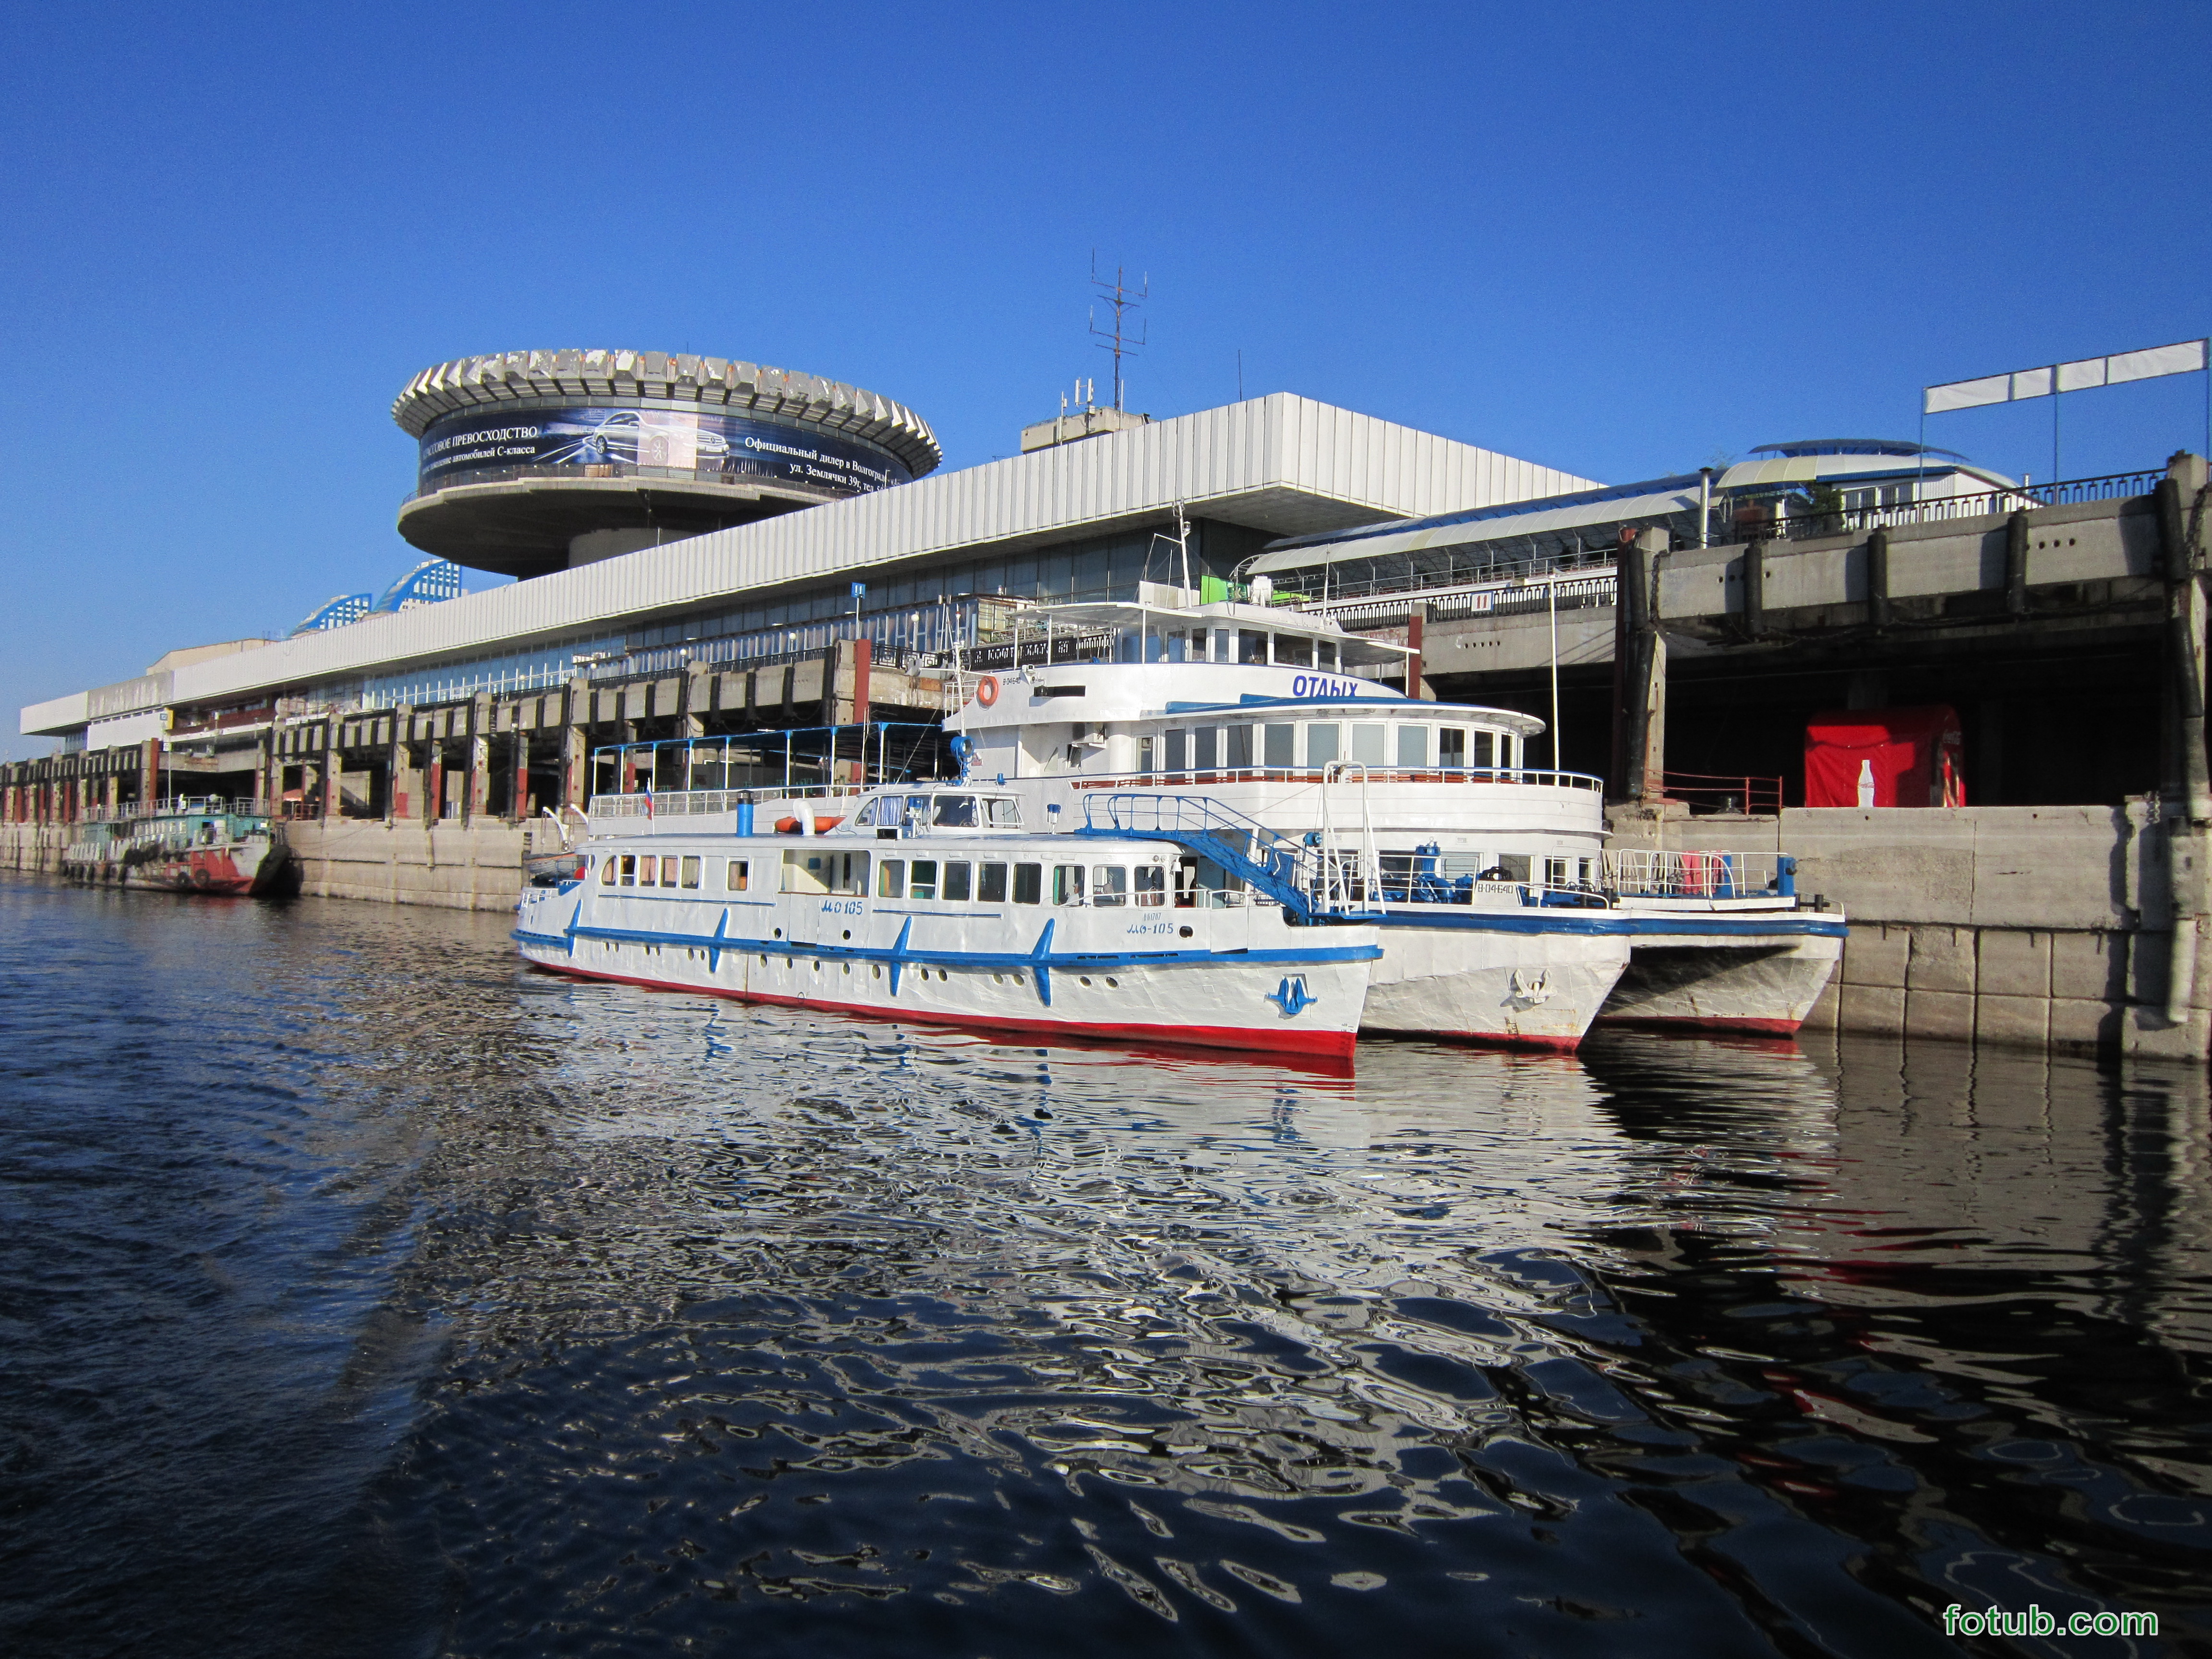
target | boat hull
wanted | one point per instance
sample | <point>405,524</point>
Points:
<point>1471,984</point>
<point>1753,982</point>
<point>1153,1007</point>
<point>254,867</point>
<point>1019,938</point>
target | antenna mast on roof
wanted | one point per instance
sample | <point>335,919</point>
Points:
<point>1123,299</point>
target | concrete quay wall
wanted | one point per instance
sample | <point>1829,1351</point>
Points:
<point>2033,927</point>
<point>462,867</point>
<point>458,867</point>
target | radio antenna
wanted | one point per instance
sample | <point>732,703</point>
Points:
<point>1124,298</point>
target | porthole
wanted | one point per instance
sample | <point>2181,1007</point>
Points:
<point>941,974</point>
<point>849,967</point>
<point>1113,984</point>
<point>849,933</point>
<point>880,971</point>
<point>1086,979</point>
<point>779,932</point>
<point>1017,979</point>
<point>998,979</point>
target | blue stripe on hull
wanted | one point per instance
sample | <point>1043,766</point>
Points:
<point>1547,920</point>
<point>900,953</point>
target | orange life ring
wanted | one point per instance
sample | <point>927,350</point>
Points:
<point>987,689</point>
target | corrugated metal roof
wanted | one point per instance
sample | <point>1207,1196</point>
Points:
<point>1281,462</point>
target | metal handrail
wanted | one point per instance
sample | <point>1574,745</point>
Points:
<point>1515,776</point>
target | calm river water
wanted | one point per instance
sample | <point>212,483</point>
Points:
<point>361,1294</point>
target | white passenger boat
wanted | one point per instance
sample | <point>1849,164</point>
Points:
<point>936,903</point>
<point>1505,919</point>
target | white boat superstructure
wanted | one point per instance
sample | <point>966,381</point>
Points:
<point>1505,918</point>
<point>937,903</point>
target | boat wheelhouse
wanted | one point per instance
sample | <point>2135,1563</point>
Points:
<point>939,903</point>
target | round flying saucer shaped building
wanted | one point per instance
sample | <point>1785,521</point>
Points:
<point>534,461</point>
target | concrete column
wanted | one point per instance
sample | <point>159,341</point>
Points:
<point>695,692</point>
<point>397,803</point>
<point>2181,498</point>
<point>1877,578</point>
<point>477,800</point>
<point>149,772</point>
<point>577,746</point>
<point>1639,744</point>
<point>1754,589</point>
<point>518,792</point>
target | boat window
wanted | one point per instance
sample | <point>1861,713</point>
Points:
<point>1511,866</point>
<point>1413,745</point>
<point>1281,745</point>
<point>1295,649</point>
<point>740,875</point>
<point>1367,743</point>
<point>846,873</point>
<point>1240,745</point>
<point>807,872</point>
<point>1143,757</point>
<point>690,872</point>
<point>668,867</point>
<point>1451,745</point>
<point>1486,750</point>
<point>991,883</point>
<point>867,815</point>
<point>1005,812</point>
<point>1558,873</point>
<point>1067,884</point>
<point>923,883</point>
<point>649,870</point>
<point>956,811</point>
<point>890,878</point>
<point>630,869</point>
<point>1151,884</point>
<point>1029,883</point>
<point>917,813</point>
<point>1223,646</point>
<point>1178,752</point>
<point>607,872</point>
<point>1205,748</point>
<point>1109,884</point>
<point>1321,744</point>
<point>958,886</point>
<point>1251,645</point>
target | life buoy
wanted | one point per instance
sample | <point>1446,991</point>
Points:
<point>987,689</point>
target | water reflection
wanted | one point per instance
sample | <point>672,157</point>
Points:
<point>667,1323</point>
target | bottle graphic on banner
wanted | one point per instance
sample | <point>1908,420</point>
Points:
<point>1866,783</point>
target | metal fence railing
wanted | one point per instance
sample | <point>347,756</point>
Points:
<point>1711,792</point>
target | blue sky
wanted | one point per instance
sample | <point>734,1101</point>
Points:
<point>1619,239</point>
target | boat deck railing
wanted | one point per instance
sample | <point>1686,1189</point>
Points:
<point>1336,771</point>
<point>1640,873</point>
<point>178,806</point>
<point>699,803</point>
